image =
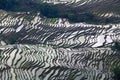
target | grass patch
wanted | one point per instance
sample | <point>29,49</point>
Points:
<point>53,20</point>
<point>28,17</point>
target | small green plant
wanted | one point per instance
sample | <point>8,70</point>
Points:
<point>53,20</point>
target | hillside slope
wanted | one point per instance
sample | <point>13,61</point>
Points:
<point>91,11</point>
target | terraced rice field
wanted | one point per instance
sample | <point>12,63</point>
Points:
<point>33,47</point>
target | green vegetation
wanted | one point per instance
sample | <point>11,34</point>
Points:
<point>53,20</point>
<point>116,46</point>
<point>48,10</point>
<point>115,68</point>
<point>28,17</point>
<point>116,72</point>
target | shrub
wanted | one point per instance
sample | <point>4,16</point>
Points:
<point>115,69</point>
